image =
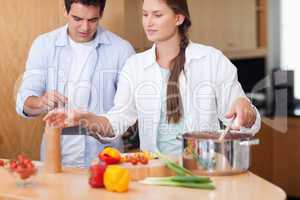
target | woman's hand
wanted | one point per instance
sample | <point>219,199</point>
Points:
<point>63,118</point>
<point>244,112</point>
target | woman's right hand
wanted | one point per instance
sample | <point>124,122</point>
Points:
<point>62,118</point>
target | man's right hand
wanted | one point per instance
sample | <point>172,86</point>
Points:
<point>34,105</point>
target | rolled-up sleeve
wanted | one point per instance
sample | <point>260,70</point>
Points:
<point>34,77</point>
<point>229,89</point>
<point>127,51</point>
<point>123,114</point>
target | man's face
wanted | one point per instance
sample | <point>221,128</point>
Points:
<point>83,21</point>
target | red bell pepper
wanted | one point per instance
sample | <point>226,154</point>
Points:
<point>110,156</point>
<point>96,175</point>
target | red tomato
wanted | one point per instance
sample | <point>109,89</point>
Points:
<point>25,174</point>
<point>134,161</point>
<point>143,160</point>
<point>13,165</point>
<point>22,157</point>
<point>1,163</point>
<point>26,161</point>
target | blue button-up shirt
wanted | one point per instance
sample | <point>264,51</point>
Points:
<point>47,68</point>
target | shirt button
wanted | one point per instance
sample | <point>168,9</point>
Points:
<point>61,74</point>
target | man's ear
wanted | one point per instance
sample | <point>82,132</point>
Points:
<point>65,13</point>
<point>179,19</point>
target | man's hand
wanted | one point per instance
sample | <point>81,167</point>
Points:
<point>52,99</point>
<point>244,112</point>
<point>49,100</point>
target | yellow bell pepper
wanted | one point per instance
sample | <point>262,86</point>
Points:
<point>116,179</point>
<point>110,155</point>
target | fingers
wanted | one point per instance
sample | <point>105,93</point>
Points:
<point>53,99</point>
<point>245,114</point>
<point>59,98</point>
<point>245,117</point>
<point>62,118</point>
<point>230,114</point>
<point>55,117</point>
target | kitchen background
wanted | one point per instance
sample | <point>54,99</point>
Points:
<point>257,35</point>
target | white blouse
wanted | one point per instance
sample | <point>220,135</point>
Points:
<point>208,87</point>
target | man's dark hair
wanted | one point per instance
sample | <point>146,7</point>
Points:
<point>100,3</point>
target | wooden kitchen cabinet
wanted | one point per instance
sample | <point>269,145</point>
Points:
<point>229,25</point>
<point>286,158</point>
<point>277,158</point>
<point>20,22</point>
<point>225,24</point>
<point>262,22</point>
<point>262,154</point>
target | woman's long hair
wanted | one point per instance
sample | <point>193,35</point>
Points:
<point>174,101</point>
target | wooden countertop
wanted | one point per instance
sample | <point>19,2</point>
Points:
<point>73,184</point>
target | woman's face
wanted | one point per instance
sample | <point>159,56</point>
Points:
<point>159,21</point>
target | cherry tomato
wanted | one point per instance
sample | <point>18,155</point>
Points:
<point>1,163</point>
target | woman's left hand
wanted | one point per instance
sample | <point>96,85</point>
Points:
<point>244,112</point>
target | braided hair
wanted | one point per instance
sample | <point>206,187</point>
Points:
<point>174,101</point>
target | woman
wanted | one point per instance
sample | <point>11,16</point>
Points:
<point>175,87</point>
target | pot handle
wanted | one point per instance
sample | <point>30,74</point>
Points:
<point>250,142</point>
<point>179,137</point>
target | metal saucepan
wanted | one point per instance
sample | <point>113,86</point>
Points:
<point>204,154</point>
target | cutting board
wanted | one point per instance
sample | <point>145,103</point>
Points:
<point>154,168</point>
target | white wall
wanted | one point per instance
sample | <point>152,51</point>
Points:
<point>290,39</point>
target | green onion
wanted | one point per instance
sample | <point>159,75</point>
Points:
<point>184,178</point>
<point>168,181</point>
<point>179,170</point>
<point>195,179</point>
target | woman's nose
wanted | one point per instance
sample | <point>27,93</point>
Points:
<point>149,21</point>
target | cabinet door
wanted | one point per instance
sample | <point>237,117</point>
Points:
<point>20,22</point>
<point>207,22</point>
<point>240,25</point>
<point>224,24</point>
<point>286,154</point>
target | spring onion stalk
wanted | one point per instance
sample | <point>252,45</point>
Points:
<point>167,181</point>
<point>194,179</point>
<point>179,170</point>
<point>184,178</point>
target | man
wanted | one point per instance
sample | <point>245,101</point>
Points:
<point>75,66</point>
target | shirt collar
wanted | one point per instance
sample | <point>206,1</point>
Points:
<point>193,51</point>
<point>101,37</point>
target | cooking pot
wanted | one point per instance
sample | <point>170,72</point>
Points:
<point>204,154</point>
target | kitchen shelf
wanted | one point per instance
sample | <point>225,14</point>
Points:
<point>246,54</point>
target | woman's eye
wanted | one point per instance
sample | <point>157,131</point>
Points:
<point>158,15</point>
<point>145,15</point>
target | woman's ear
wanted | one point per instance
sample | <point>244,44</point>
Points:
<point>179,19</point>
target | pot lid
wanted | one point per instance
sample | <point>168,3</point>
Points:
<point>216,135</point>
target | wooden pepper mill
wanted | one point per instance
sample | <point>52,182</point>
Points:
<point>52,162</point>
